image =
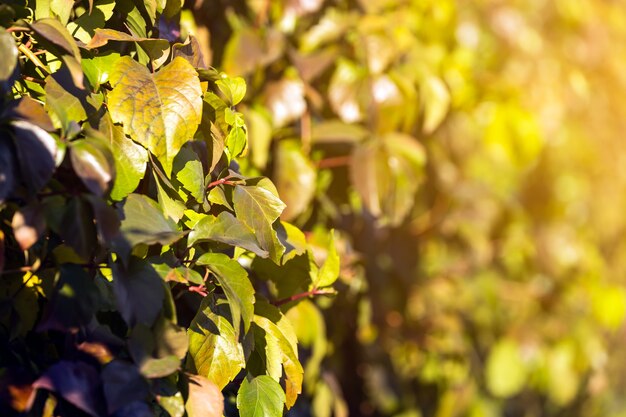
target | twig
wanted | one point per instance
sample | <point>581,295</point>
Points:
<point>295,297</point>
<point>30,55</point>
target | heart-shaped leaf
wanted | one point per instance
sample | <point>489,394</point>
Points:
<point>161,111</point>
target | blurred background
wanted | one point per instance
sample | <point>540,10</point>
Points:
<point>470,156</point>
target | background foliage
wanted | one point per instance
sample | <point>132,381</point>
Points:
<point>469,155</point>
<point>138,264</point>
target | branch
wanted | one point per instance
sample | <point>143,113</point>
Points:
<point>302,295</point>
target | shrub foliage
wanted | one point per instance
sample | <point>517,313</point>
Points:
<point>141,273</point>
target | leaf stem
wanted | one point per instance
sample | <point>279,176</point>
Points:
<point>295,297</point>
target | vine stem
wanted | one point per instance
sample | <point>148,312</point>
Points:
<point>295,297</point>
<point>225,180</point>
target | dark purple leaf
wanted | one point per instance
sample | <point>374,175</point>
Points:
<point>123,385</point>
<point>77,382</point>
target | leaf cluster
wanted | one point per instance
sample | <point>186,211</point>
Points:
<point>138,266</point>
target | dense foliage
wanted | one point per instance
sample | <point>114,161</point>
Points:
<point>140,271</point>
<point>469,156</point>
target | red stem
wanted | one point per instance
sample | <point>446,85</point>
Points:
<point>225,180</point>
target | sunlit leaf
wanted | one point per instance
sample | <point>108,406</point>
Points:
<point>259,208</point>
<point>278,328</point>
<point>233,88</point>
<point>329,271</point>
<point>214,351</point>
<point>160,111</point>
<point>260,397</point>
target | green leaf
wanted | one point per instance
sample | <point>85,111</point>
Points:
<point>172,207</point>
<point>138,291</point>
<point>98,69</point>
<point>8,52</point>
<point>295,178</point>
<point>237,141</point>
<point>144,222</point>
<point>233,88</point>
<point>189,172</point>
<point>160,111</point>
<point>205,398</point>
<point>260,397</point>
<point>83,28</point>
<point>93,162</point>
<point>228,229</point>
<point>130,159</point>
<point>174,404</point>
<point>258,208</point>
<point>67,106</point>
<point>329,272</point>
<point>277,327</point>
<point>236,284</point>
<point>214,350</point>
